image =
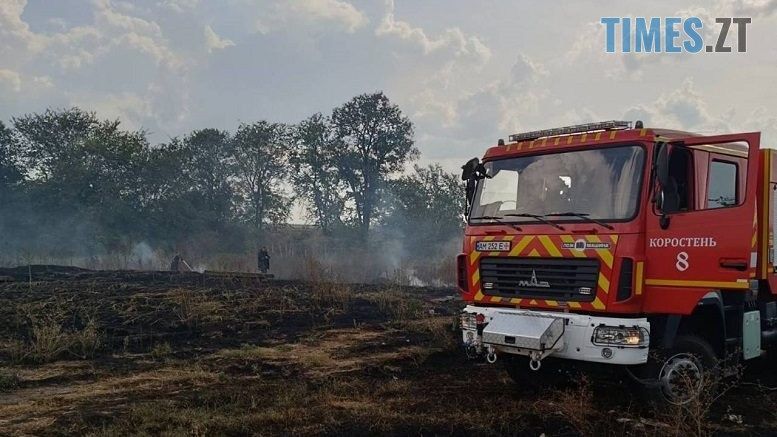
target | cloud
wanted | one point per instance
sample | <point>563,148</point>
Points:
<point>14,82</point>
<point>760,119</point>
<point>489,111</point>
<point>753,8</point>
<point>441,70</point>
<point>453,41</point>
<point>136,33</point>
<point>215,42</point>
<point>526,70</point>
<point>132,109</point>
<point>10,80</point>
<point>17,41</point>
<point>683,109</point>
<point>179,6</point>
<point>306,15</point>
<point>464,79</point>
<point>589,46</point>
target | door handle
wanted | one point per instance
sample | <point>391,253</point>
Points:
<point>734,263</point>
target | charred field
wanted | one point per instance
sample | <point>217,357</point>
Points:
<point>154,353</point>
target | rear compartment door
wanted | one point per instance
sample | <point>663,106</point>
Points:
<point>710,240</point>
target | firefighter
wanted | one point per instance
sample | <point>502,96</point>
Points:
<point>263,260</point>
<point>178,264</point>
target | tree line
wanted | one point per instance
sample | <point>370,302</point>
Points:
<point>71,182</point>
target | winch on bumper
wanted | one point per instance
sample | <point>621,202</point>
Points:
<point>539,334</point>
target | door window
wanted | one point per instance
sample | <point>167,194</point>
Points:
<point>722,185</point>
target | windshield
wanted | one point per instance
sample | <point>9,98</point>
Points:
<point>603,184</point>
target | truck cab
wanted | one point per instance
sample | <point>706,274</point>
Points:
<point>605,242</point>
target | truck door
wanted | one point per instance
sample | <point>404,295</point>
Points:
<point>706,237</point>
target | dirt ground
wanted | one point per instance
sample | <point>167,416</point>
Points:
<point>154,353</point>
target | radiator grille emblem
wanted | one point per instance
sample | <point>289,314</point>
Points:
<point>533,282</point>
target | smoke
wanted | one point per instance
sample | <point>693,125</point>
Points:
<point>144,256</point>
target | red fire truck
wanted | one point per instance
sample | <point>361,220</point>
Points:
<point>649,249</point>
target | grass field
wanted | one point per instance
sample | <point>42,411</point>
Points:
<point>153,353</point>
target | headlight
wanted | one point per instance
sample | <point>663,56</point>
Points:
<point>620,336</point>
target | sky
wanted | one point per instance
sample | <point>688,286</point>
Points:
<point>466,73</point>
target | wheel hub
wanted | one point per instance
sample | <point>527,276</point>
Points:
<point>681,378</point>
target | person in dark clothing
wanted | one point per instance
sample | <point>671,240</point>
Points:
<point>175,264</point>
<point>263,260</point>
<point>178,264</point>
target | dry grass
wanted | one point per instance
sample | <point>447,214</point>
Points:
<point>440,331</point>
<point>693,418</point>
<point>49,341</point>
<point>160,351</point>
<point>396,370</point>
<point>328,296</point>
<point>331,295</point>
<point>573,405</point>
<point>193,309</point>
<point>9,380</point>
<point>396,305</point>
<point>85,344</point>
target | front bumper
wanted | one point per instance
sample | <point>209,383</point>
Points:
<point>574,341</point>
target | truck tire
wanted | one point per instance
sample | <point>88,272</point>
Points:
<point>682,373</point>
<point>549,375</point>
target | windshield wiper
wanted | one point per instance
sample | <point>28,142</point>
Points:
<point>538,218</point>
<point>582,215</point>
<point>496,219</point>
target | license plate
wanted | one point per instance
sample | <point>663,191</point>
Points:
<point>492,246</point>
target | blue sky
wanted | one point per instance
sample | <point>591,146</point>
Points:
<point>466,73</point>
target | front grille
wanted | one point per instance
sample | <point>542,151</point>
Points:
<point>566,279</point>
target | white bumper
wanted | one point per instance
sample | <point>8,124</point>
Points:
<point>576,342</point>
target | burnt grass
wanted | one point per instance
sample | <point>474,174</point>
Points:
<point>158,353</point>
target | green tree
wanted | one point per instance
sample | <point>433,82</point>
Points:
<point>375,141</point>
<point>208,169</point>
<point>50,143</point>
<point>84,173</point>
<point>426,206</point>
<point>260,153</point>
<point>109,181</point>
<point>10,173</point>
<point>315,174</point>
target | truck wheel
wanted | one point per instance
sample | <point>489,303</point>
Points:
<point>683,372</point>
<point>549,375</point>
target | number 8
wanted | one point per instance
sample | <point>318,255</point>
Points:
<point>682,261</point>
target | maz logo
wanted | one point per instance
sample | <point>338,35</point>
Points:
<point>533,282</point>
